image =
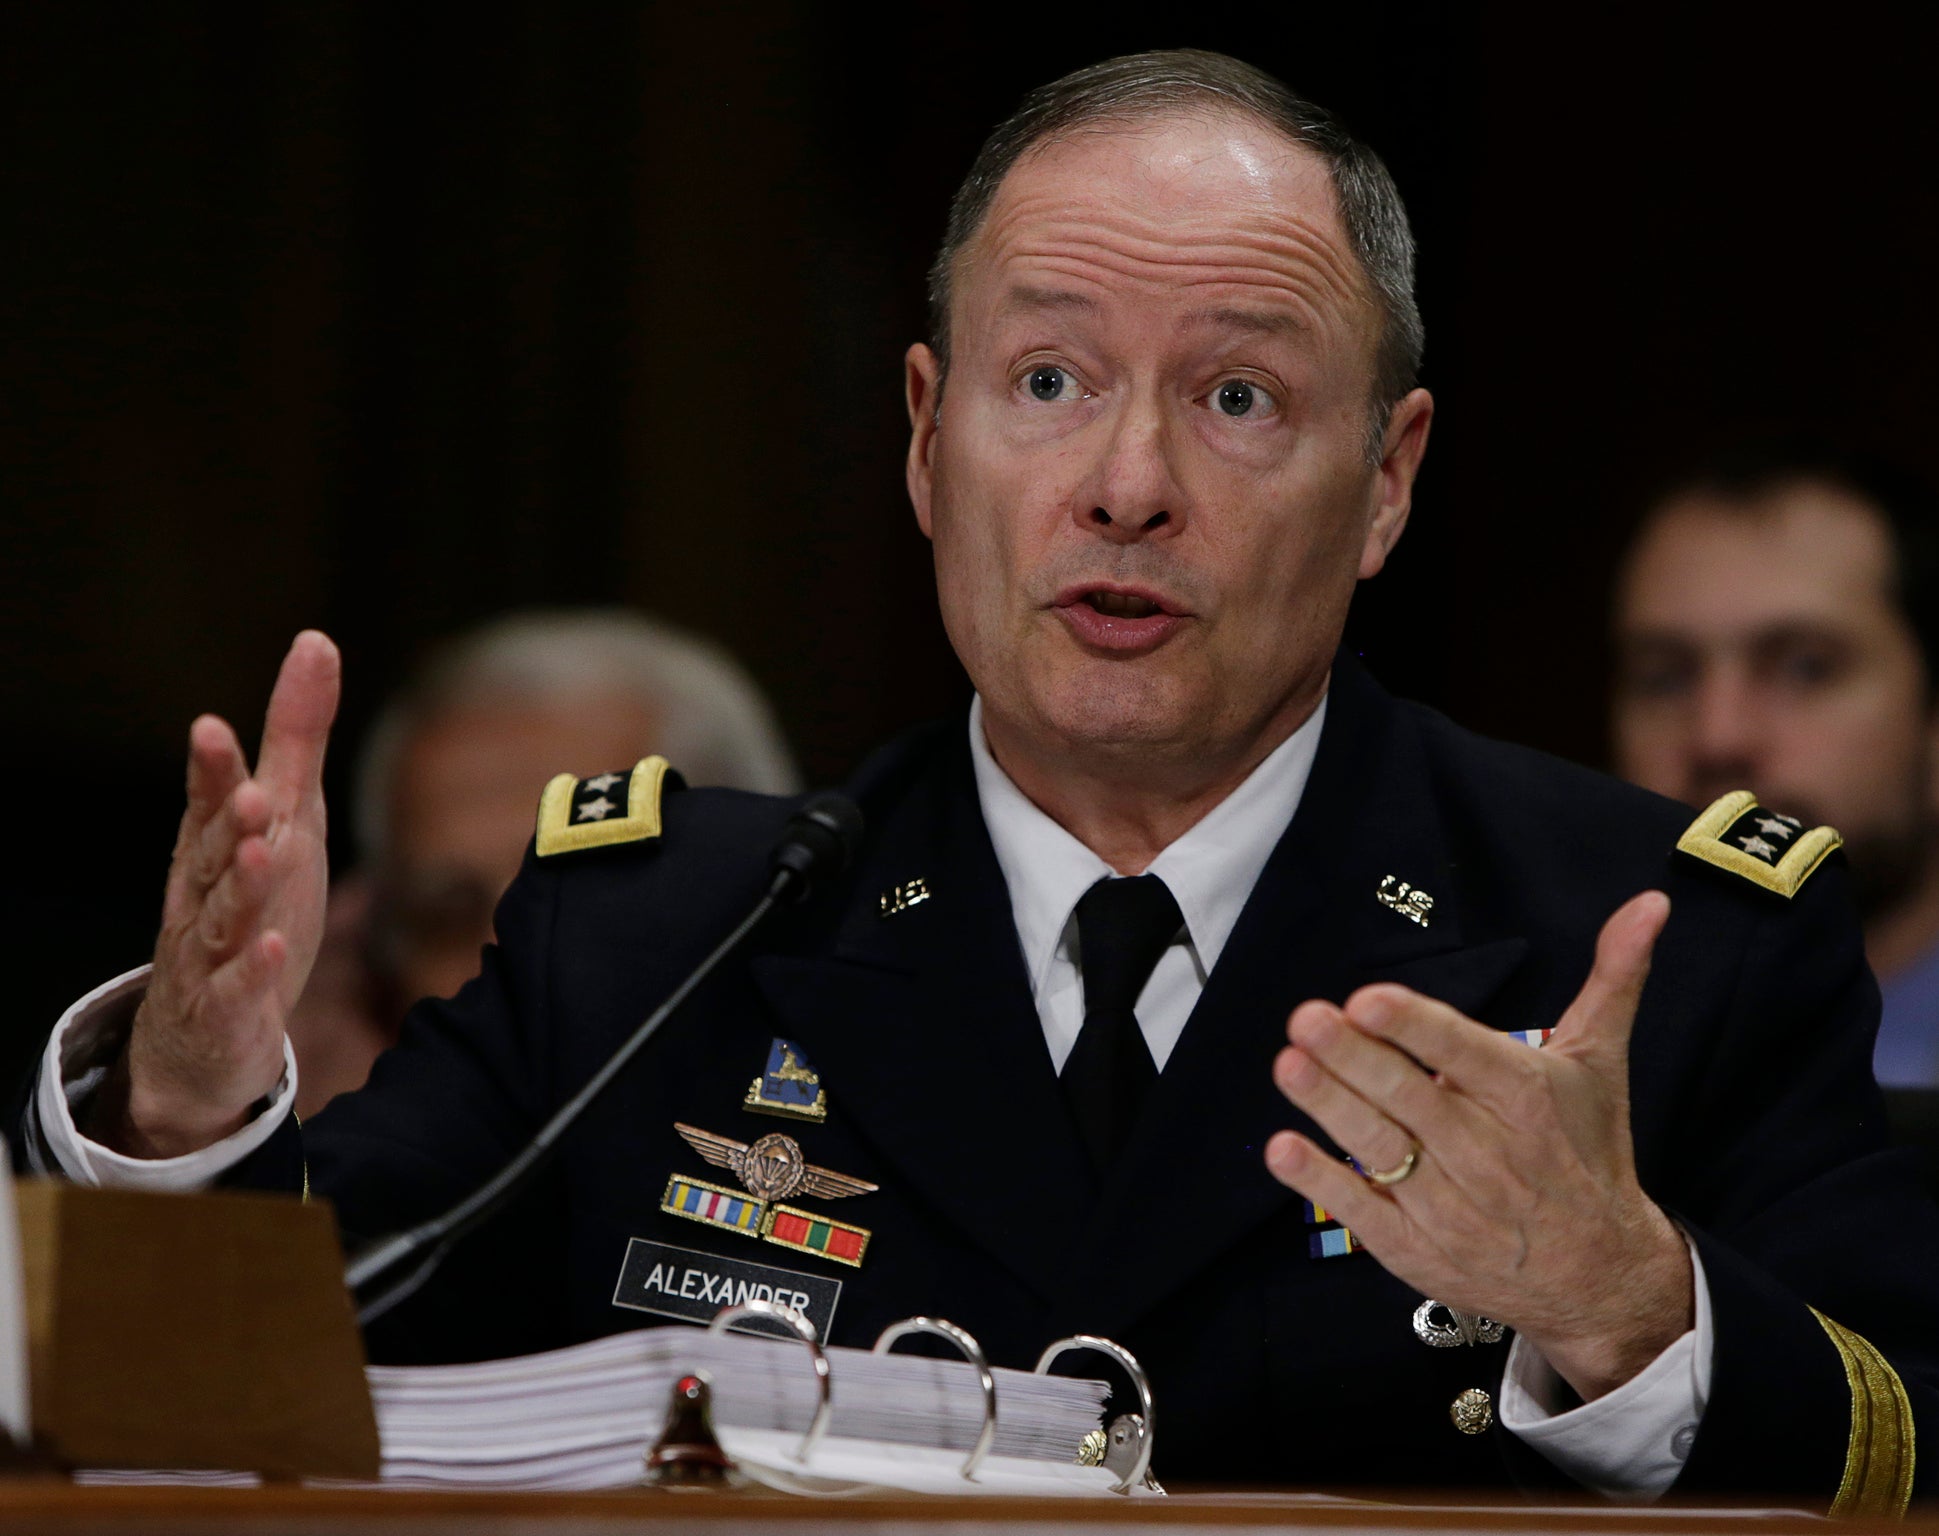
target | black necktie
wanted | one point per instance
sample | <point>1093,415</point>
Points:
<point>1123,926</point>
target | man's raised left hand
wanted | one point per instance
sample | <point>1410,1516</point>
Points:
<point>1522,1204</point>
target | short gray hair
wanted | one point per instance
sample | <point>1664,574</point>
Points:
<point>1138,87</point>
<point>714,724</point>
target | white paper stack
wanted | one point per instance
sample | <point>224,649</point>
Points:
<point>584,1417</point>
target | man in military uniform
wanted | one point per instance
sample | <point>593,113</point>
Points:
<point>1184,917</point>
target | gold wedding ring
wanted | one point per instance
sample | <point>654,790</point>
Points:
<point>1390,1176</point>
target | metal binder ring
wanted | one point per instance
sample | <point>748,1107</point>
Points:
<point>1141,1467</point>
<point>972,1352</point>
<point>805,1331</point>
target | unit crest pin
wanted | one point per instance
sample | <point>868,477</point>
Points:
<point>788,1086</point>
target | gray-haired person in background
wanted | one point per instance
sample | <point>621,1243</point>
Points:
<point>446,782</point>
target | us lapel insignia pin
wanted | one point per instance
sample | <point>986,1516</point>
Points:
<point>774,1169</point>
<point>789,1087</point>
<point>900,898</point>
<point>1410,901</point>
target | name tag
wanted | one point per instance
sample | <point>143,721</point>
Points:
<point>694,1286</point>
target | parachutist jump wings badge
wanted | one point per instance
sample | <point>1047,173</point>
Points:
<point>774,1167</point>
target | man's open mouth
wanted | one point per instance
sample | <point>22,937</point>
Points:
<point>1122,605</point>
<point>1118,620</point>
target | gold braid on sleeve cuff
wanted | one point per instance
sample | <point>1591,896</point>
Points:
<point>1879,1456</point>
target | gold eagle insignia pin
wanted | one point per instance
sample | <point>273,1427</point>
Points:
<point>1767,849</point>
<point>606,809</point>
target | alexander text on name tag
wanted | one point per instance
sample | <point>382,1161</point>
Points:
<point>694,1286</point>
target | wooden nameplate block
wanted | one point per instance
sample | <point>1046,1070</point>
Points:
<point>206,1330</point>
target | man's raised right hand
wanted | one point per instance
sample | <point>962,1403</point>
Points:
<point>241,921</point>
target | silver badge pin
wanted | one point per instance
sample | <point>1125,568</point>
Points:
<point>1460,1327</point>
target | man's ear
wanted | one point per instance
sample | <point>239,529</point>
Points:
<point>1401,451</point>
<point>922,387</point>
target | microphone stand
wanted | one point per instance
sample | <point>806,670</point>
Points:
<point>822,833</point>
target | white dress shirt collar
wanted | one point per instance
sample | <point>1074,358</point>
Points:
<point>1210,870</point>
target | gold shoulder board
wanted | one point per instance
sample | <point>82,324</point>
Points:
<point>1776,852</point>
<point>596,812</point>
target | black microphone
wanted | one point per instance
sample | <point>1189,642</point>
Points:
<point>820,839</point>
<point>818,842</point>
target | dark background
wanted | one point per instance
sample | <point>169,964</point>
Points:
<point>385,318</point>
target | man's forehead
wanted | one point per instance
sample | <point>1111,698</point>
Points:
<point>1186,201</point>
<point>1803,551</point>
<point>1181,157</point>
<point>1021,296</point>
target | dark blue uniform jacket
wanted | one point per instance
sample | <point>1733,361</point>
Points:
<point>1756,1120</point>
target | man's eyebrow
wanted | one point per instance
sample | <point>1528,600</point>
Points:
<point>1674,634</point>
<point>1809,630</point>
<point>1029,299</point>
<point>1258,322</point>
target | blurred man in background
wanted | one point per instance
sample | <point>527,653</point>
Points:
<point>445,787</point>
<point>1777,629</point>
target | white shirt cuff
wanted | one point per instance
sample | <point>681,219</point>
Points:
<point>1630,1443</point>
<point>77,1058</point>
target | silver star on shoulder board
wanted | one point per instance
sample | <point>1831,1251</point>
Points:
<point>1776,828</point>
<point>596,810</point>
<point>774,1167</point>
<point>1758,846</point>
<point>603,783</point>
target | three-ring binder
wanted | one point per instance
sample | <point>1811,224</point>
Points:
<point>688,1453</point>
